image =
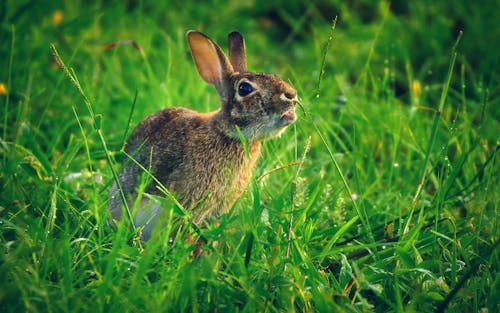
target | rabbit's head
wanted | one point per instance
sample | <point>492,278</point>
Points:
<point>260,105</point>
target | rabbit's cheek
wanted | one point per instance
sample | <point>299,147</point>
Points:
<point>247,104</point>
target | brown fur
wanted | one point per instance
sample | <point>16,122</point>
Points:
<point>199,156</point>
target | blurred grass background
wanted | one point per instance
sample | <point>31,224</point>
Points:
<point>296,241</point>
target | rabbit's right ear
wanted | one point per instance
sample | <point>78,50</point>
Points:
<point>210,60</point>
<point>237,52</point>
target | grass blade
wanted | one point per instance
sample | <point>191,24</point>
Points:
<point>433,135</point>
<point>9,84</point>
<point>72,77</point>
<point>323,61</point>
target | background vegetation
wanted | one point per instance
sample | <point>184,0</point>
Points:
<point>383,197</point>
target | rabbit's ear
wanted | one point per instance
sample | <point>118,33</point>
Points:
<point>237,52</point>
<point>210,61</point>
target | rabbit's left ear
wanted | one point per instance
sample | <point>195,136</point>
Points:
<point>210,60</point>
<point>237,52</point>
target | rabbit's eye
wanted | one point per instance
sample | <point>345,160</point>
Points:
<point>244,89</point>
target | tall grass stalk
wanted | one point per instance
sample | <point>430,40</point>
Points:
<point>364,221</point>
<point>433,134</point>
<point>293,194</point>
<point>96,119</point>
<point>9,85</point>
<point>323,61</point>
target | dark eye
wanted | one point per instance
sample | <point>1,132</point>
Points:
<point>244,89</point>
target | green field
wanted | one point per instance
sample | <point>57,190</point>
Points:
<point>382,197</point>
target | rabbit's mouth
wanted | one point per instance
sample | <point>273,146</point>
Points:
<point>289,117</point>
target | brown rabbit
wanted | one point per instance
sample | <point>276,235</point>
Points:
<point>200,157</point>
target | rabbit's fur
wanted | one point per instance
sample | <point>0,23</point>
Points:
<point>200,157</point>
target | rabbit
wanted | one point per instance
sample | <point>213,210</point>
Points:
<point>200,157</point>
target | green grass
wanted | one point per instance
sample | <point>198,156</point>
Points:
<point>382,197</point>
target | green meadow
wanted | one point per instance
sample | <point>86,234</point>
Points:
<point>383,196</point>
